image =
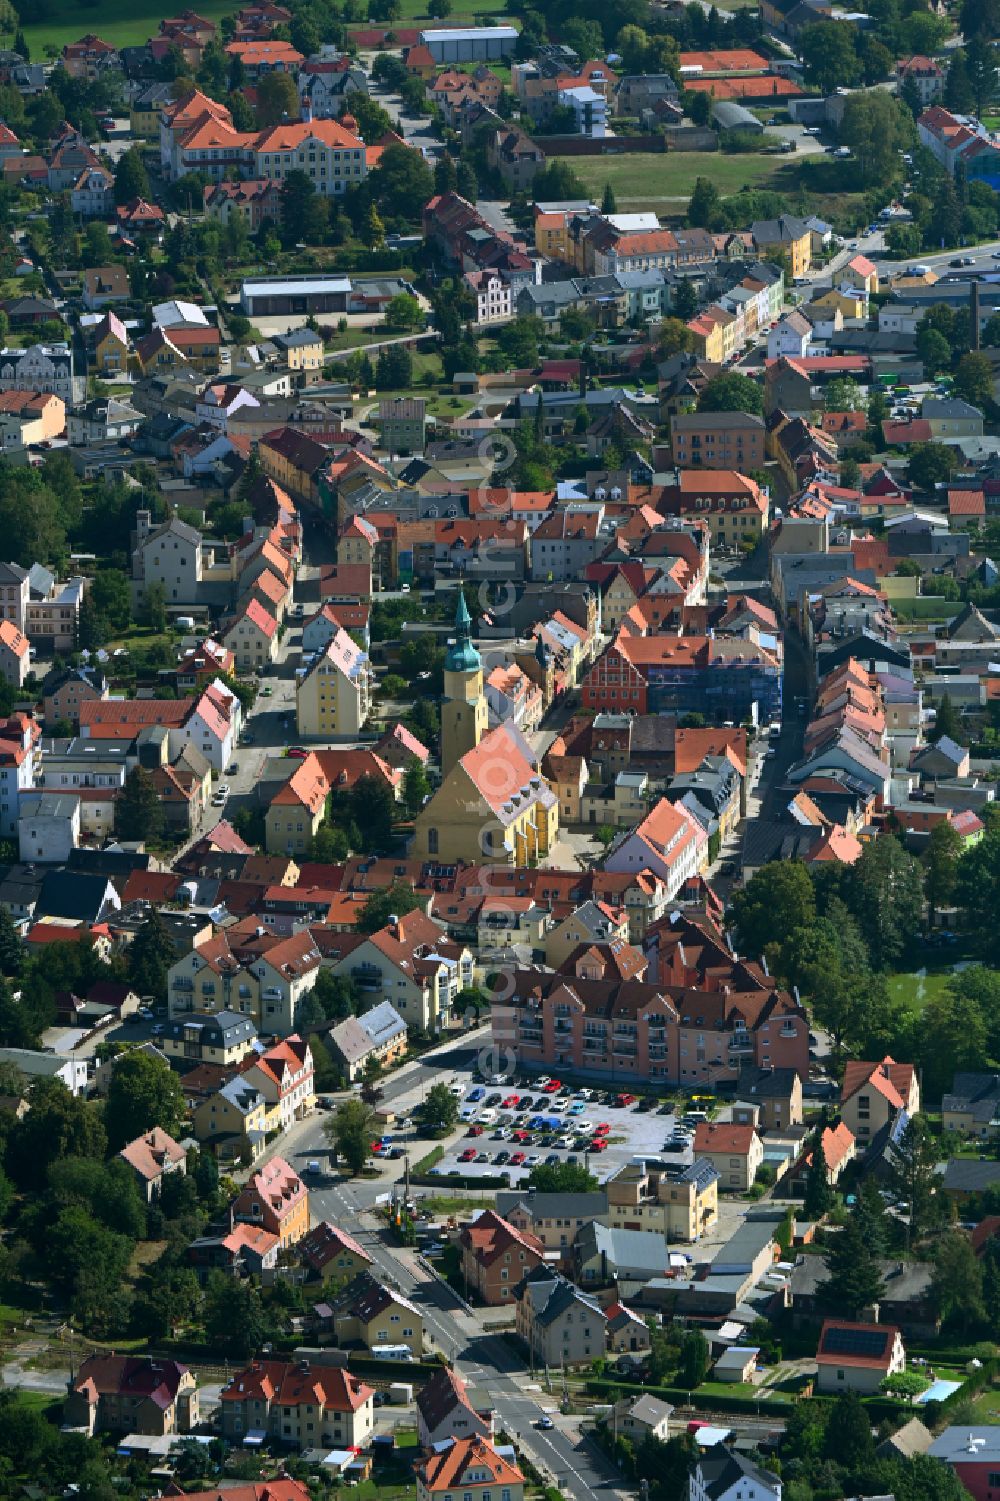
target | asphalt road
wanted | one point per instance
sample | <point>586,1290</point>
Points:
<point>770,796</point>
<point>484,1360</point>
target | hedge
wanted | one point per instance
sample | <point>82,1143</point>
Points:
<point>880,1408</point>
<point>414,1372</point>
<point>678,1396</point>
<point>444,1181</point>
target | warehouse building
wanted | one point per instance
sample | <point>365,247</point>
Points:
<point>469,44</point>
<point>274,295</point>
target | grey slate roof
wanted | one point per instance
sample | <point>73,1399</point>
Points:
<point>963,1175</point>
<point>562,1206</point>
<point>975,1094</point>
<point>721,1470</point>
<point>551,1295</point>
<point>224,1029</point>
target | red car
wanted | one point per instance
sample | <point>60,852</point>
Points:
<point>625,1100</point>
<point>523,1136</point>
<point>511,1102</point>
<point>469,1155</point>
<point>602,1129</point>
<point>474,1131</point>
<point>516,1158</point>
<point>296,752</point>
<point>598,1145</point>
<point>552,1087</point>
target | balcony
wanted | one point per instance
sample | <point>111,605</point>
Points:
<point>182,984</point>
<point>272,993</point>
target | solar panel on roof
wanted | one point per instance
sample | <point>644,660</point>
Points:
<point>870,1342</point>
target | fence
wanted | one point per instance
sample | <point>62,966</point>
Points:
<point>598,146</point>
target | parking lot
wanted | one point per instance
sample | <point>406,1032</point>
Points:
<point>512,1128</point>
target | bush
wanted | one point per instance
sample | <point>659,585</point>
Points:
<point>739,142</point>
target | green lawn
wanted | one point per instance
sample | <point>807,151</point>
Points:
<point>414,12</point>
<point>123,22</point>
<point>916,990</point>
<point>663,179</point>
<point>987,1405</point>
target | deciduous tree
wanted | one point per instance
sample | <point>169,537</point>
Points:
<point>944,846</point>
<point>393,901</point>
<point>277,99</point>
<point>144,1092</point>
<point>829,56</point>
<point>884,893</point>
<point>732,393</point>
<point>777,899</point>
<point>439,1111</point>
<point>974,379</point>
<point>877,127</point>
<point>349,1131</point>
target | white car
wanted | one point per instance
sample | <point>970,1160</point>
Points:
<point>541,1082</point>
<point>222,790</point>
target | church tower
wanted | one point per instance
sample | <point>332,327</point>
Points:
<point>464,718</point>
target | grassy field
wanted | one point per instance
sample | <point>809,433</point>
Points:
<point>917,989</point>
<point>464,12</point>
<point>126,23</point>
<point>662,180</point>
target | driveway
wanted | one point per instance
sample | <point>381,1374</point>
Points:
<point>416,130</point>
